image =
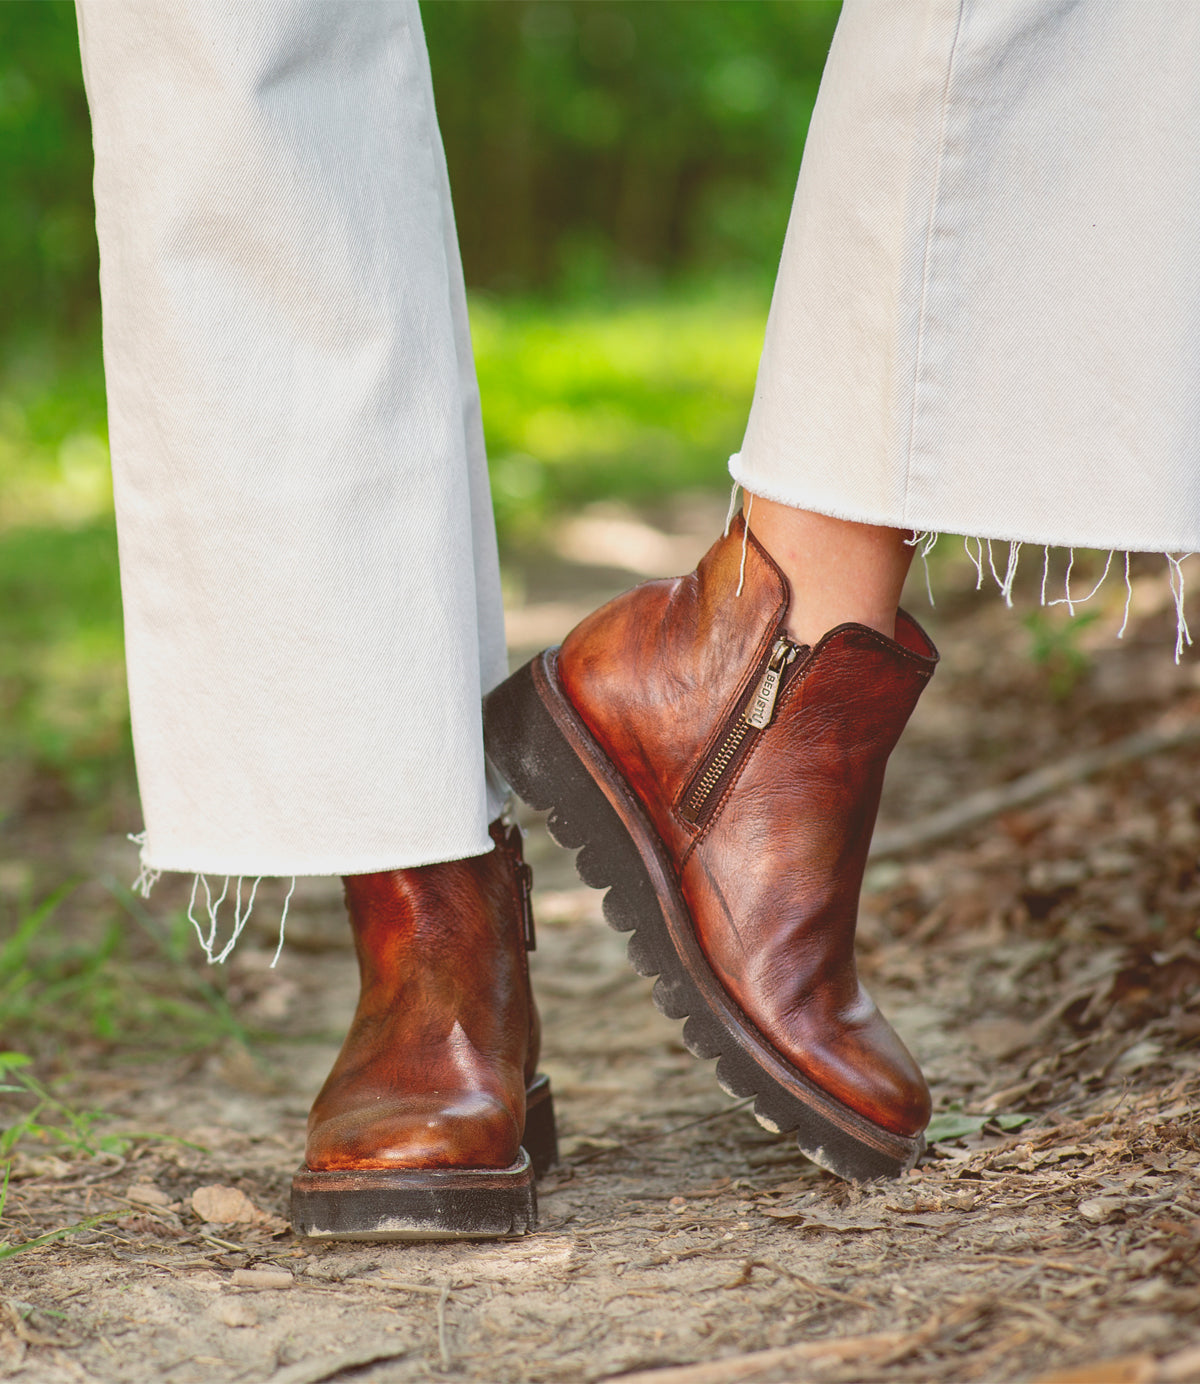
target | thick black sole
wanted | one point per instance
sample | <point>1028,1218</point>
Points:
<point>432,1204</point>
<point>537,740</point>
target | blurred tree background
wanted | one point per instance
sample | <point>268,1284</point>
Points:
<point>604,144</point>
<point>622,173</point>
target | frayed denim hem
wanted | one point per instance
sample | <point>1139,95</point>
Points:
<point>983,558</point>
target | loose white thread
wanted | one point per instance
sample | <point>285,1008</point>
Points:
<point>1067,585</point>
<point>1010,575</point>
<point>732,507</point>
<point>924,540</point>
<point>924,544</point>
<point>191,914</point>
<point>745,540</point>
<point>209,942</point>
<point>212,909</point>
<point>1128,599</point>
<point>283,921</point>
<point>1182,634</point>
<point>976,559</point>
<point>240,918</point>
<point>241,915</point>
<point>992,564</point>
<point>146,877</point>
<point>1072,601</point>
<point>146,881</point>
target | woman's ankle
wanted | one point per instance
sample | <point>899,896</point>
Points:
<point>840,571</point>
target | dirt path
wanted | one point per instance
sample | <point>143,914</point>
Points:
<point>1043,965</point>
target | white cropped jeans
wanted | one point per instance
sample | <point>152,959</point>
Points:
<point>987,321</point>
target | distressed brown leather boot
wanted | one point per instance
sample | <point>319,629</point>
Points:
<point>725,781</point>
<point>433,1121</point>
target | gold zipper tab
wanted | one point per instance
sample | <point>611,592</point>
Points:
<point>756,716</point>
<point>762,708</point>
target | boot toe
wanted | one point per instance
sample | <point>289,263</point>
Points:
<point>873,1073</point>
<point>896,1097</point>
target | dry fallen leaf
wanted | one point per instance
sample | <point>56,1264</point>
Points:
<point>147,1194</point>
<point>1100,1209</point>
<point>224,1206</point>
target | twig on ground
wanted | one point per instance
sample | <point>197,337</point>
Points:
<point>38,1183</point>
<point>660,1134</point>
<point>991,802</point>
<point>889,1345</point>
<point>1039,1314</point>
<point>1060,1264</point>
<point>393,1283</point>
<point>227,1245</point>
<point>330,1366</point>
<point>816,1289</point>
<point>443,1350</point>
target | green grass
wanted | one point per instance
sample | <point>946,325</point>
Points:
<point>110,972</point>
<point>49,1123</point>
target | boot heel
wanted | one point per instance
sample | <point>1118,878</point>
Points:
<point>523,741</point>
<point>526,744</point>
<point>541,1131</point>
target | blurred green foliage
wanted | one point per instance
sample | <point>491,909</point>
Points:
<point>634,399</point>
<point>1056,649</point>
<point>594,143</point>
<point>48,258</point>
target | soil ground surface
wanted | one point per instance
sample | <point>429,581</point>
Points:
<point>1038,951</point>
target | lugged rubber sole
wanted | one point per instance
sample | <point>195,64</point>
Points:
<point>432,1203</point>
<point>541,745</point>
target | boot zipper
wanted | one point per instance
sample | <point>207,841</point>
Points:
<point>755,715</point>
<point>525,884</point>
<point>524,874</point>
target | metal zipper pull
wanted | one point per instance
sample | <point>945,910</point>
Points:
<point>524,874</point>
<point>525,884</point>
<point>762,708</point>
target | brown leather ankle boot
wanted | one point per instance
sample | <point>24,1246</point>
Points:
<point>724,781</point>
<point>433,1121</point>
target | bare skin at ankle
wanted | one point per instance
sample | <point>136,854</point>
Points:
<point>839,571</point>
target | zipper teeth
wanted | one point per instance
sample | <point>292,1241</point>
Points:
<point>733,740</point>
